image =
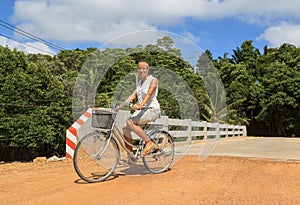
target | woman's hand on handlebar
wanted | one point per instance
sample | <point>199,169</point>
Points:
<point>137,107</point>
<point>130,104</point>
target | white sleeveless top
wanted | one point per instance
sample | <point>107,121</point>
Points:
<point>141,91</point>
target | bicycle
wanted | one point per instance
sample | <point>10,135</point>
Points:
<point>97,154</point>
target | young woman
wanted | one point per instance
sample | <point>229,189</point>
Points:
<point>147,108</point>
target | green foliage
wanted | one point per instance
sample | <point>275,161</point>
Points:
<point>33,105</point>
<point>38,97</point>
<point>270,85</point>
<point>119,79</point>
<point>280,82</point>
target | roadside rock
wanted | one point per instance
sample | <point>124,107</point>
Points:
<point>39,159</point>
<point>55,159</point>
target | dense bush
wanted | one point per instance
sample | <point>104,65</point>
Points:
<point>36,91</point>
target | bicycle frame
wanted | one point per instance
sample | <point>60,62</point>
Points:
<point>118,136</point>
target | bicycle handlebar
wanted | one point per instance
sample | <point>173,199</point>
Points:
<point>116,109</point>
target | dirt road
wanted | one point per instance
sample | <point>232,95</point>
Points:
<point>216,180</point>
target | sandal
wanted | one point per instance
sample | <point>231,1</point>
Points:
<point>149,147</point>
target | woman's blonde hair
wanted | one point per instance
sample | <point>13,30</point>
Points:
<point>143,64</point>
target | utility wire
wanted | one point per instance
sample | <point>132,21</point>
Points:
<point>29,35</point>
<point>27,45</point>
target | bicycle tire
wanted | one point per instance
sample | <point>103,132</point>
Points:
<point>161,158</point>
<point>96,157</point>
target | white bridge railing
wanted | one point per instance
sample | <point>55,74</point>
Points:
<point>199,130</point>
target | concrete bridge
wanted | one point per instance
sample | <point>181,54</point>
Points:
<point>274,148</point>
<point>228,140</point>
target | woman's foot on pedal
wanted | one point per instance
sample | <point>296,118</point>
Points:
<point>148,148</point>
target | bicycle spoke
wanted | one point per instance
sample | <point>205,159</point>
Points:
<point>96,157</point>
<point>161,158</point>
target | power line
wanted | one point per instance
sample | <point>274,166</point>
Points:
<point>29,35</point>
<point>27,45</point>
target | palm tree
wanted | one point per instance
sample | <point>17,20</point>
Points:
<point>214,106</point>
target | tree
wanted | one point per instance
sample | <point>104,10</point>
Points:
<point>280,81</point>
<point>247,53</point>
<point>205,63</point>
<point>166,43</point>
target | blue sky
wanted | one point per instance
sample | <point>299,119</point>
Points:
<point>219,26</point>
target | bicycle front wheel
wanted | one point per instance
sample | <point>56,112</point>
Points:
<point>96,157</point>
<point>161,158</point>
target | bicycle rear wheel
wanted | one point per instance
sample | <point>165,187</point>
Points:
<point>96,157</point>
<point>161,158</point>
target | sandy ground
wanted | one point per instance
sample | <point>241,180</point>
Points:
<point>216,180</point>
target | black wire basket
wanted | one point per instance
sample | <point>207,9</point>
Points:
<point>102,119</point>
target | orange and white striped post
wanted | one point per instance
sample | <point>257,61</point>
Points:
<point>71,135</point>
<point>81,123</point>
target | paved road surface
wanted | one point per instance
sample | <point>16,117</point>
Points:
<point>277,148</point>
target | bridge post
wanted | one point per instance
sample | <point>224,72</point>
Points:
<point>189,131</point>
<point>205,130</point>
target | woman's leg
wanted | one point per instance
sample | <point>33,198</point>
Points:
<point>128,138</point>
<point>140,132</point>
<point>137,130</point>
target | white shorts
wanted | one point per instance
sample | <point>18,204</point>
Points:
<point>144,116</point>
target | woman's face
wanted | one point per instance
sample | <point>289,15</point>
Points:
<point>143,71</point>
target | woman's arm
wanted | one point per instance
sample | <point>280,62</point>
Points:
<point>128,100</point>
<point>152,88</point>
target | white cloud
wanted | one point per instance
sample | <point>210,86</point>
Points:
<point>102,20</point>
<point>29,47</point>
<point>77,20</point>
<point>37,47</point>
<point>283,33</point>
